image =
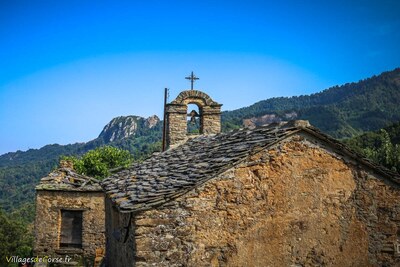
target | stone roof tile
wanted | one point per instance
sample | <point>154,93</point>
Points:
<point>66,179</point>
<point>174,172</point>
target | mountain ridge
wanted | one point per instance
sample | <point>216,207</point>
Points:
<point>124,126</point>
<point>277,107</point>
<point>21,170</point>
<point>352,108</point>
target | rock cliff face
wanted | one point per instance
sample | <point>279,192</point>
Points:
<point>125,126</point>
<point>151,121</point>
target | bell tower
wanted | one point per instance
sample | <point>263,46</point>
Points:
<point>177,112</point>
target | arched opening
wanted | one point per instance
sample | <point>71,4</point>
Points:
<point>181,122</point>
<point>193,119</point>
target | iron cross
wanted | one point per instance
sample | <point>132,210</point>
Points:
<point>192,78</point>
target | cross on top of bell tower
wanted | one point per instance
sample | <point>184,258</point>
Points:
<point>192,78</point>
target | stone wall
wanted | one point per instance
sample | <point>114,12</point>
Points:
<point>176,116</point>
<point>295,205</point>
<point>48,222</point>
<point>211,120</point>
<point>120,248</point>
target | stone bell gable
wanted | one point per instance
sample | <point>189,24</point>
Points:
<point>177,112</point>
<point>283,195</point>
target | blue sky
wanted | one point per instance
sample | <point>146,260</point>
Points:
<point>68,67</point>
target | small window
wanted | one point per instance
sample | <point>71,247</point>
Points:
<point>71,229</point>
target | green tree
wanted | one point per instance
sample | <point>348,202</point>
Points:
<point>385,152</point>
<point>381,146</point>
<point>101,161</point>
<point>15,239</point>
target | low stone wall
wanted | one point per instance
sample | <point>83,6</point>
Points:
<point>295,205</point>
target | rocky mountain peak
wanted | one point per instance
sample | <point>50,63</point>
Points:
<point>125,126</point>
<point>152,121</point>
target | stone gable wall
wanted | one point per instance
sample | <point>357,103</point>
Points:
<point>296,205</point>
<point>48,222</point>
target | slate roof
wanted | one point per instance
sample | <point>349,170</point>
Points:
<point>66,179</point>
<point>174,172</point>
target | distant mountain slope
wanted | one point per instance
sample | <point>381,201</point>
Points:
<point>122,127</point>
<point>20,171</point>
<point>341,111</point>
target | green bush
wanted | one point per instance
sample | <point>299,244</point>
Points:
<point>99,162</point>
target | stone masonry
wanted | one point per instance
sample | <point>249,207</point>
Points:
<point>63,189</point>
<point>298,203</point>
<point>176,116</point>
<point>48,207</point>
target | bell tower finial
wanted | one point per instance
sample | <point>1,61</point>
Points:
<point>192,78</point>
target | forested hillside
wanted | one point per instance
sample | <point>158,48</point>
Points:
<point>341,111</point>
<point>21,171</point>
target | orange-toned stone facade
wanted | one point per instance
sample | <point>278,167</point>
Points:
<point>297,204</point>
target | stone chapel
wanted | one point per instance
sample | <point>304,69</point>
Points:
<point>279,195</point>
